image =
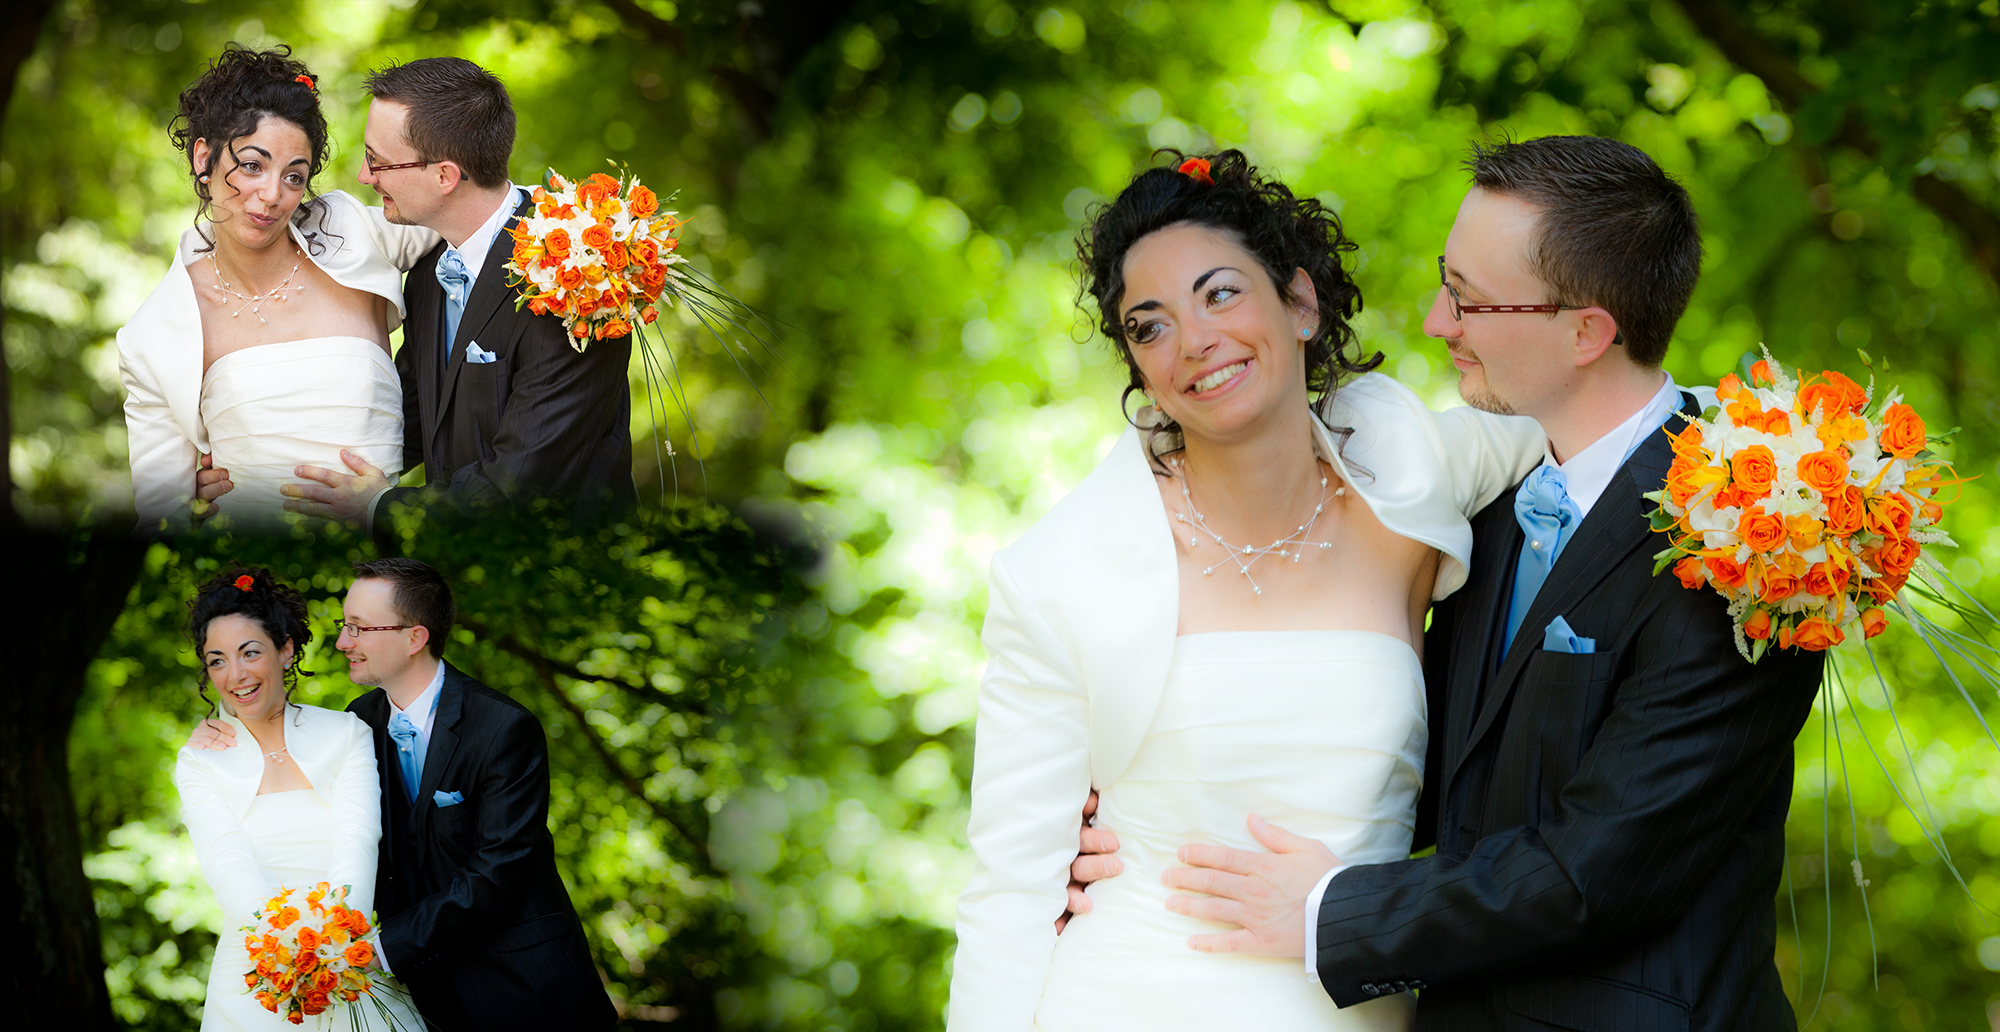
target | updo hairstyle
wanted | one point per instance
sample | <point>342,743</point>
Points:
<point>1283,232</point>
<point>239,90</point>
<point>269,603</point>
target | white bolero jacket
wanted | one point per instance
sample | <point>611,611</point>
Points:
<point>160,349</point>
<point>336,752</point>
<point>1080,626</point>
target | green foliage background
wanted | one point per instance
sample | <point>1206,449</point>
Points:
<point>762,745</point>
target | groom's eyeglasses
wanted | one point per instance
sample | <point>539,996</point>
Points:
<point>1459,308</point>
<point>374,169</point>
<point>352,628</point>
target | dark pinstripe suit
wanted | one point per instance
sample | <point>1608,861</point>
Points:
<point>541,420</point>
<point>1609,826</point>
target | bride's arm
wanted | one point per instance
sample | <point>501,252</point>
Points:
<point>1486,454</point>
<point>1030,776</point>
<point>400,244</point>
<point>227,860</point>
<point>163,460</point>
<point>356,800</point>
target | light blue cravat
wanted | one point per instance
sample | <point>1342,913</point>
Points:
<point>408,752</point>
<point>1547,515</point>
<point>453,278</point>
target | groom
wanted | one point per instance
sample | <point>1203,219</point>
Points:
<point>474,916</point>
<point>497,405</point>
<point>1607,779</point>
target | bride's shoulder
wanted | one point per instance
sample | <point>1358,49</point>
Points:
<point>330,721</point>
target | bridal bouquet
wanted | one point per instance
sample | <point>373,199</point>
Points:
<point>1806,503</point>
<point>598,253</point>
<point>313,956</point>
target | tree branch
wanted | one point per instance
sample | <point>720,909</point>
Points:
<point>546,672</point>
<point>515,647</point>
<point>1719,24</point>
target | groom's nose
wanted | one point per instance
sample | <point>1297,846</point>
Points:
<point>1438,322</point>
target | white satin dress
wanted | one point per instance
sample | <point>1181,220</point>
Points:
<point>272,408</point>
<point>250,845</point>
<point>1319,732</point>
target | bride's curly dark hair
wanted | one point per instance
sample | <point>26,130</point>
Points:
<point>238,91</point>
<point>253,593</point>
<point>1282,231</point>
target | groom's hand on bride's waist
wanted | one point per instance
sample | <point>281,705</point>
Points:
<point>1094,862</point>
<point>209,484</point>
<point>1265,893</point>
<point>212,734</point>
<point>346,497</point>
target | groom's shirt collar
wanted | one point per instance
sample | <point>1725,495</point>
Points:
<point>423,710</point>
<point>473,251</point>
<point>1589,471</point>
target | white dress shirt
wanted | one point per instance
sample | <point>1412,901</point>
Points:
<point>423,710</point>
<point>1588,473</point>
<point>475,248</point>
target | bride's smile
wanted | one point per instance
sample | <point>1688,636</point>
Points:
<point>246,670</point>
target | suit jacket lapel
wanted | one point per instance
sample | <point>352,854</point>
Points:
<point>422,330</point>
<point>1478,638</point>
<point>444,738</point>
<point>1616,525</point>
<point>488,291</point>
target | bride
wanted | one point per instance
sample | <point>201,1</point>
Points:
<point>303,807</point>
<point>1224,619</point>
<point>266,347</point>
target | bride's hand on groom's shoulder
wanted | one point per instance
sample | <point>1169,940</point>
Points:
<point>344,497</point>
<point>1094,862</point>
<point>212,734</point>
<point>1265,893</point>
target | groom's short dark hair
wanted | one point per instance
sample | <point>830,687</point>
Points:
<point>421,596</point>
<point>1615,230</point>
<point>459,112</point>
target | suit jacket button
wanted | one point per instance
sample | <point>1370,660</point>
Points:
<point>1370,988</point>
<point>1416,984</point>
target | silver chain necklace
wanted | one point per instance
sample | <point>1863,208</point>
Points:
<point>255,302</point>
<point>1246,556</point>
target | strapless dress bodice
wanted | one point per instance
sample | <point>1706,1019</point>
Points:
<point>271,408</point>
<point>1319,732</point>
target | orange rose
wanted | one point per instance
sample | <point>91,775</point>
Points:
<point>283,919</point>
<point>1873,622</point>
<point>306,962</point>
<point>360,954</point>
<point>1760,374</point>
<point>579,331</point>
<point>1725,572</point>
<point>603,182</point>
<point>1758,627</point>
<point>1838,396</point>
<point>253,945</point>
<point>538,305</point>
<point>525,253</point>
<point>618,256</point>
<point>645,203</point>
<point>1825,580</point>
<point>557,243</point>
<point>569,277</point>
<point>614,328</point>
<point>269,1000</point>
<point>1729,387</point>
<point>1762,531</point>
<point>317,1001</point>
<point>1776,421</point>
<point>1896,558</point>
<point>1823,471</point>
<point>1889,516</point>
<point>1778,586</point>
<point>1902,431</point>
<point>308,939</point>
<point>357,922</point>
<point>648,252</point>
<point>649,313</point>
<point>295,1018</point>
<point>325,980</point>
<point>250,979</point>
<point>1845,511</point>
<point>1753,469</point>
<point>1933,512</point>
<point>1817,635</point>
<point>598,236</point>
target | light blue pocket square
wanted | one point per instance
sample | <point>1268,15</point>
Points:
<point>443,798</point>
<point>1559,638</point>
<point>478,355</point>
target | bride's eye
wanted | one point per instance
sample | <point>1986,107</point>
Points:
<point>1142,333</point>
<point>1220,293</point>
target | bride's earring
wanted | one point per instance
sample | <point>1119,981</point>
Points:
<point>1307,333</point>
<point>204,179</point>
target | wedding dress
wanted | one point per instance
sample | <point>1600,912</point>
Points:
<point>251,845</point>
<point>264,410</point>
<point>274,407</point>
<point>1319,732</point>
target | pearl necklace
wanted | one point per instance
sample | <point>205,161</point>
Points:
<point>1292,545</point>
<point>278,757</point>
<point>255,302</point>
